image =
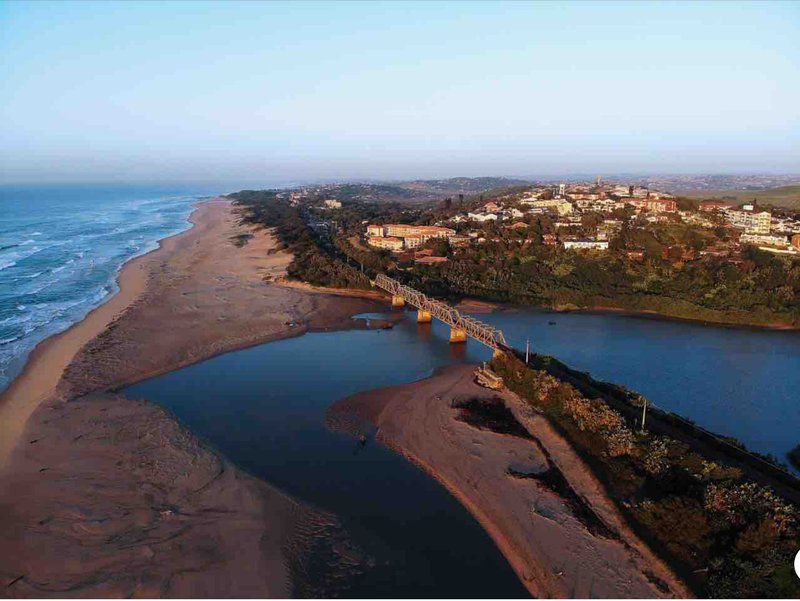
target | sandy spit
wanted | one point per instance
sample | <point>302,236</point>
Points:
<point>102,496</point>
<point>563,545</point>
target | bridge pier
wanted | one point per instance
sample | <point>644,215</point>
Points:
<point>423,316</point>
<point>457,335</point>
<point>398,301</point>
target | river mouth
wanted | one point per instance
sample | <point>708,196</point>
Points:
<point>265,408</point>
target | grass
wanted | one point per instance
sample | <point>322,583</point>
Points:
<point>785,196</point>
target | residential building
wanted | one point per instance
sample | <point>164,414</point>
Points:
<point>765,239</point>
<point>413,241</point>
<point>332,204</point>
<point>752,222</point>
<point>426,232</point>
<point>586,244</point>
<point>482,217</point>
<point>796,241</point>
<point>713,205</point>
<point>561,206</point>
<point>655,205</point>
<point>387,242</point>
<point>459,241</point>
<point>376,230</point>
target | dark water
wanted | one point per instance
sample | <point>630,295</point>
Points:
<point>265,408</point>
<point>737,382</point>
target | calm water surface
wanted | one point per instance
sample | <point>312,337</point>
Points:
<point>733,381</point>
<point>265,408</point>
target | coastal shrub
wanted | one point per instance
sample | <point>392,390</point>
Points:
<point>656,457</point>
<point>681,524</point>
<point>314,261</point>
<point>729,536</point>
<point>762,291</point>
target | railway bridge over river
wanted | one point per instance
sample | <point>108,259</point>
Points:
<point>461,326</point>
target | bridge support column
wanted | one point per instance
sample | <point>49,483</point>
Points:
<point>457,335</point>
<point>497,353</point>
<point>423,316</point>
<point>398,301</point>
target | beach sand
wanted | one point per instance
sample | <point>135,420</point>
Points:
<point>104,496</point>
<point>562,536</point>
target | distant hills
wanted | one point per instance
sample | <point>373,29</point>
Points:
<point>416,190</point>
<point>783,196</point>
<point>778,190</point>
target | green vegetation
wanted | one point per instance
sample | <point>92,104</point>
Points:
<point>316,261</point>
<point>763,289</point>
<point>785,196</point>
<point>514,265</point>
<point>728,535</point>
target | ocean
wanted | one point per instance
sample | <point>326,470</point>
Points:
<point>61,247</point>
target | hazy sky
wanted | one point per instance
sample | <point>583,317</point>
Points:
<point>273,92</point>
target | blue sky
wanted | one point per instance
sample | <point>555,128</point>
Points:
<point>250,92</point>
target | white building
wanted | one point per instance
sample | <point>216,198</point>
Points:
<point>482,217</point>
<point>751,222</point>
<point>561,206</point>
<point>586,244</point>
<point>765,239</point>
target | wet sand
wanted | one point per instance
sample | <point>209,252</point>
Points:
<point>562,536</point>
<point>103,496</point>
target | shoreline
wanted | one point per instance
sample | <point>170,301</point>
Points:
<point>50,357</point>
<point>546,536</point>
<point>467,303</point>
<point>107,496</point>
<point>656,316</point>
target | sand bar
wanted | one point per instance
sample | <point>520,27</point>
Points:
<point>560,543</point>
<point>105,496</point>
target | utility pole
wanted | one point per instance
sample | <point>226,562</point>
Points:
<point>527,350</point>
<point>644,411</point>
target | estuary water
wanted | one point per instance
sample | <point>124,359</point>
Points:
<point>61,247</point>
<point>265,408</point>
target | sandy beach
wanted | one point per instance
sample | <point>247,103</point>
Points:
<point>535,497</point>
<point>103,496</point>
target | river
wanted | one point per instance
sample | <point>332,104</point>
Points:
<point>265,408</point>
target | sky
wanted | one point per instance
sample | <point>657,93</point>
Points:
<point>277,92</point>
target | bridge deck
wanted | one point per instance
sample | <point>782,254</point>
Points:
<point>484,333</point>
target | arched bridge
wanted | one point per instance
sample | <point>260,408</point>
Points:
<point>461,326</point>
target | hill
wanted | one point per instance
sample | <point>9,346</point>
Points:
<point>784,196</point>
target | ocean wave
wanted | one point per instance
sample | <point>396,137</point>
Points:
<point>79,255</point>
<point>62,267</point>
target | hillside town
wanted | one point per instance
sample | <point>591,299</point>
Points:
<point>588,216</point>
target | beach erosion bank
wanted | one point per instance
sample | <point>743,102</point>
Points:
<point>103,496</point>
<point>519,478</point>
